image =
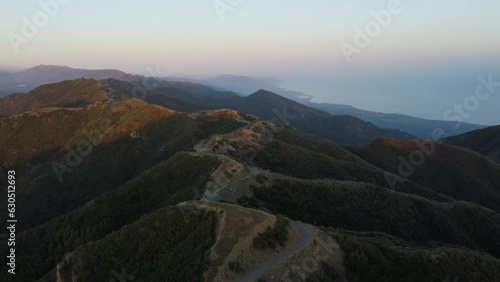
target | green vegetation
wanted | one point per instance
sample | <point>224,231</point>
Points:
<point>374,257</point>
<point>167,245</point>
<point>364,207</point>
<point>219,124</point>
<point>235,266</point>
<point>115,209</point>
<point>449,170</point>
<point>169,97</point>
<point>287,159</point>
<point>70,93</point>
<point>181,178</point>
<point>357,262</point>
<point>140,136</point>
<point>42,196</point>
<point>261,179</point>
<point>272,237</point>
<point>341,129</point>
<point>293,160</point>
<point>316,144</point>
<point>484,141</point>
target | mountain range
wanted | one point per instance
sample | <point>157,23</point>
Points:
<point>183,182</point>
<point>193,97</point>
<point>12,81</point>
<point>419,127</point>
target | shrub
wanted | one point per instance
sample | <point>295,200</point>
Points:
<point>273,236</point>
<point>358,262</point>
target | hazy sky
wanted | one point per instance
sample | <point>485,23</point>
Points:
<point>430,52</point>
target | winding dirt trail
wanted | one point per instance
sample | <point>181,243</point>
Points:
<point>306,231</point>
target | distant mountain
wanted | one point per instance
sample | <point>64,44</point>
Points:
<point>81,92</point>
<point>244,85</point>
<point>164,94</point>
<point>28,79</point>
<point>419,127</point>
<point>484,141</point>
<point>219,86</point>
<point>199,89</point>
<point>70,93</point>
<point>190,97</point>
<point>335,123</point>
<point>422,128</point>
<point>270,106</point>
<point>247,85</point>
<point>341,129</point>
<point>44,74</point>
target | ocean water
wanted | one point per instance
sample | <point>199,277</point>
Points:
<point>427,95</point>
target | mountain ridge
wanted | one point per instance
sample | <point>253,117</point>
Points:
<point>419,127</point>
<point>264,104</point>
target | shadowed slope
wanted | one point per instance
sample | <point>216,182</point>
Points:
<point>453,171</point>
<point>484,141</point>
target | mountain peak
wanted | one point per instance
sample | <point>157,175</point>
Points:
<point>44,74</point>
<point>263,92</point>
